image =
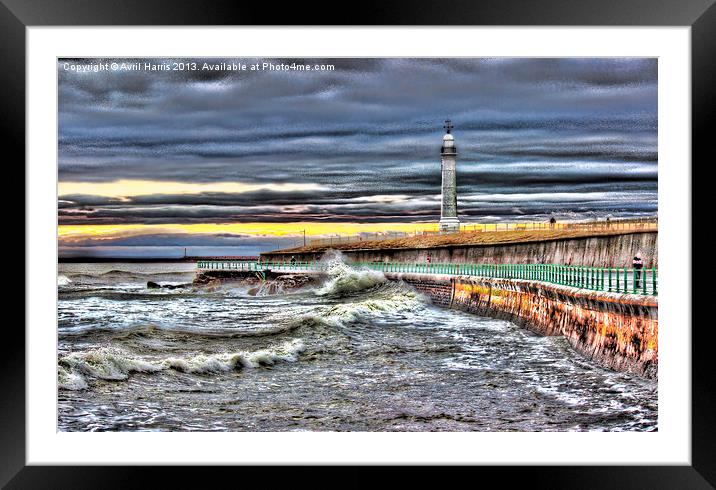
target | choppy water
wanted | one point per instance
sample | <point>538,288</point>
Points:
<point>355,354</point>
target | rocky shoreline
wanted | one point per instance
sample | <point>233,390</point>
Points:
<point>273,284</point>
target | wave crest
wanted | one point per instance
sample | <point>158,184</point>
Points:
<point>385,299</point>
<point>112,364</point>
<point>343,279</point>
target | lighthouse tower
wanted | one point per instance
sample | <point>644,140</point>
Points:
<point>448,212</point>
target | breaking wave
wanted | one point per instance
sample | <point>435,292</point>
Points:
<point>342,278</point>
<point>119,276</point>
<point>63,280</point>
<point>384,298</point>
<point>107,363</point>
<point>129,295</point>
<point>153,330</point>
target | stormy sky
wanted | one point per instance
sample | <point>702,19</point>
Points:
<point>144,150</point>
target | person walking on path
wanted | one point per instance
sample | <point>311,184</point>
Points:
<point>637,264</point>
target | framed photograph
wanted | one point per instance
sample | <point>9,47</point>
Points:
<point>430,238</point>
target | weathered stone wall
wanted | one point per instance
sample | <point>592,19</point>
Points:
<point>619,331</point>
<point>438,290</point>
<point>600,251</point>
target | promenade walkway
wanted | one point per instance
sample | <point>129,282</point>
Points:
<point>632,281</point>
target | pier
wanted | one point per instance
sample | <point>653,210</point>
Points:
<point>606,279</point>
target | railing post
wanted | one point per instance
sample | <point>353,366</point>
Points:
<point>596,278</point>
<point>626,281</point>
<point>653,281</point>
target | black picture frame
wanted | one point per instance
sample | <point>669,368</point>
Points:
<point>700,15</point>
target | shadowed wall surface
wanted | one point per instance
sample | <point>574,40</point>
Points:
<point>600,251</point>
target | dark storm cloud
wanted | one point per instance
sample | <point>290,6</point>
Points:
<point>369,128</point>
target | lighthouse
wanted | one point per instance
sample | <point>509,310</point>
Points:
<point>448,212</point>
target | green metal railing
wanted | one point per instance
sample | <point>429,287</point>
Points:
<point>616,280</point>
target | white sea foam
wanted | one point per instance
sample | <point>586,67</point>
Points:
<point>63,280</point>
<point>106,363</point>
<point>388,298</point>
<point>70,380</point>
<point>217,363</point>
<point>343,278</point>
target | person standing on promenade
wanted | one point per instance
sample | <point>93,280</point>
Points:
<point>637,264</point>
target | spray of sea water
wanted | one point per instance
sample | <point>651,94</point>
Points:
<point>354,353</point>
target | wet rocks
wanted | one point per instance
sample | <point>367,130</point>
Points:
<point>282,284</point>
<point>156,285</point>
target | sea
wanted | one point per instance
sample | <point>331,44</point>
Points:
<point>354,353</point>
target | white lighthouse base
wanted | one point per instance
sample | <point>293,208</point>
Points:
<point>449,225</point>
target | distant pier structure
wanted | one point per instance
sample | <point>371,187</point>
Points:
<point>449,221</point>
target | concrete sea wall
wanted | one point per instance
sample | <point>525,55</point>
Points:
<point>598,251</point>
<point>619,331</point>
